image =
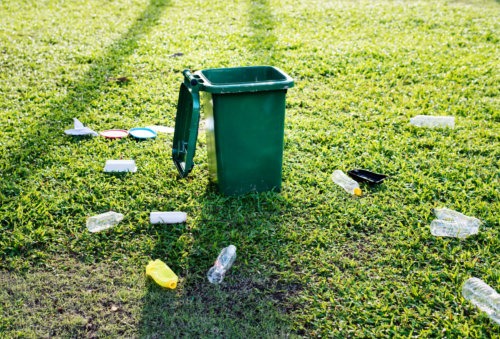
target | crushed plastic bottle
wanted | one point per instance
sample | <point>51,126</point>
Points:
<point>450,223</point>
<point>349,185</point>
<point>433,121</point>
<point>483,296</point>
<point>162,274</point>
<point>448,214</point>
<point>103,221</point>
<point>450,228</point>
<point>223,263</point>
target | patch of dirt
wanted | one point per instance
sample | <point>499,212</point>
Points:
<point>71,298</point>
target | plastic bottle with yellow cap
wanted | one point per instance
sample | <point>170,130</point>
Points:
<point>349,185</point>
<point>162,274</point>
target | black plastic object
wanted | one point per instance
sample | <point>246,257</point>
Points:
<point>366,176</point>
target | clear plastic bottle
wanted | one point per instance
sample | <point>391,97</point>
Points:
<point>103,221</point>
<point>451,223</point>
<point>433,121</point>
<point>223,263</point>
<point>343,180</point>
<point>451,228</point>
<point>483,296</point>
<point>448,214</point>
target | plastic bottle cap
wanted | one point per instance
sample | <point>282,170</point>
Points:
<point>357,191</point>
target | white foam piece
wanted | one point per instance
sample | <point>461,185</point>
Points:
<point>168,217</point>
<point>120,166</point>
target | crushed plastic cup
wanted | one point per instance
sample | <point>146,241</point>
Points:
<point>162,274</point>
<point>80,130</point>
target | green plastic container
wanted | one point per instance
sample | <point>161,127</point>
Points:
<point>245,115</point>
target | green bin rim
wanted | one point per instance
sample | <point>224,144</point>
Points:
<point>243,79</point>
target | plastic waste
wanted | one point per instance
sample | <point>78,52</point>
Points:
<point>447,228</point>
<point>433,121</point>
<point>483,296</point>
<point>361,175</point>
<point>120,166</point>
<point>450,223</point>
<point>223,263</point>
<point>448,214</point>
<point>167,217</point>
<point>103,221</point>
<point>349,185</point>
<point>162,274</point>
<point>142,133</point>
<point>80,130</point>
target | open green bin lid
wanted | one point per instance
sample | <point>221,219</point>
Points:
<point>186,125</point>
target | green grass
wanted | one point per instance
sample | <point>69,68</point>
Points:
<point>312,261</point>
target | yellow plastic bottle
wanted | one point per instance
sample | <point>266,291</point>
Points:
<point>162,274</point>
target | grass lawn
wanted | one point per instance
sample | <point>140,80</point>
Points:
<point>312,260</point>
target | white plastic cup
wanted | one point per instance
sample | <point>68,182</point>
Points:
<point>167,217</point>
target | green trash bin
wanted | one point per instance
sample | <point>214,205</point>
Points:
<point>245,114</point>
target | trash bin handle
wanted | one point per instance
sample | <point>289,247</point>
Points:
<point>189,77</point>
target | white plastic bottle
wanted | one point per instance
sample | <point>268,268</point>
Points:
<point>343,180</point>
<point>223,263</point>
<point>103,221</point>
<point>433,121</point>
<point>483,296</point>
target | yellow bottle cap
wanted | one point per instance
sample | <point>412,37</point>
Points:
<point>357,191</point>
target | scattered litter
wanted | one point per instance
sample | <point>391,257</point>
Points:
<point>103,221</point>
<point>162,129</point>
<point>349,185</point>
<point>450,223</point>
<point>162,274</point>
<point>223,263</point>
<point>114,133</point>
<point>168,217</point>
<point>433,121</point>
<point>483,296</point>
<point>120,166</point>
<point>80,130</point>
<point>178,54</point>
<point>114,308</point>
<point>361,175</point>
<point>142,133</point>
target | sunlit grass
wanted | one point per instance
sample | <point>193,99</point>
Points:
<point>311,260</point>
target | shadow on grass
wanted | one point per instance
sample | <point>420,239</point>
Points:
<point>262,40</point>
<point>251,301</point>
<point>34,153</point>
